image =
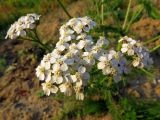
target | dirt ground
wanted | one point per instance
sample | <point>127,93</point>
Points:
<point>19,86</point>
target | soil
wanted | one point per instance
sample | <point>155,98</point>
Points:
<point>19,85</point>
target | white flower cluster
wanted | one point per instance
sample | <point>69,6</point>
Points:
<point>19,27</point>
<point>139,53</point>
<point>114,64</point>
<point>66,68</point>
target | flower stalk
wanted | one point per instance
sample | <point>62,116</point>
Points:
<point>64,9</point>
<point>147,73</point>
<point>151,40</point>
<point>127,14</point>
<point>154,49</point>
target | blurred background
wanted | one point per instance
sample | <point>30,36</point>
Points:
<point>21,97</point>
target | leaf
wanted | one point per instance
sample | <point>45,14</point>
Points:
<point>40,93</point>
<point>151,9</point>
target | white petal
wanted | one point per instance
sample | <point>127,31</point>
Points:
<point>85,54</point>
<point>124,49</point>
<point>64,67</point>
<point>63,87</point>
<point>79,96</point>
<point>102,58</point>
<point>52,59</point>
<point>47,65</point>
<point>73,78</point>
<point>59,80</point>
<point>56,67</point>
<point>47,92</point>
<point>101,65</point>
<point>135,63</point>
<point>82,69</point>
<point>125,45</point>
<point>61,48</point>
<point>48,78</point>
<point>81,44</point>
<point>41,77</point>
<point>54,89</point>
<point>130,52</point>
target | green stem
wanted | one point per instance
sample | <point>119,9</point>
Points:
<point>154,49</point>
<point>39,41</point>
<point>36,34</point>
<point>119,46</point>
<point>64,9</point>
<point>102,11</point>
<point>151,40</point>
<point>36,41</point>
<point>133,18</point>
<point>147,73</point>
<point>27,39</point>
<point>43,45</point>
<point>127,13</point>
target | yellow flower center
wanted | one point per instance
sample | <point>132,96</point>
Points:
<point>57,73</point>
<point>48,84</point>
<point>42,69</point>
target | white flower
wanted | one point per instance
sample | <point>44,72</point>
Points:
<point>58,74</point>
<point>49,88</point>
<point>47,61</point>
<point>62,45</point>
<point>136,62</point>
<point>40,72</point>
<point>102,41</point>
<point>105,65</point>
<point>66,33</point>
<point>88,57</point>
<point>127,48</point>
<point>55,54</point>
<point>84,44</point>
<point>66,88</point>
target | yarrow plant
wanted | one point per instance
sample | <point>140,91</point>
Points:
<point>67,67</point>
<point>83,64</point>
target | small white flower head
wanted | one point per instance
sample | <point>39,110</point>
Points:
<point>80,25</point>
<point>139,53</point>
<point>18,29</point>
<point>49,88</point>
<point>113,64</point>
